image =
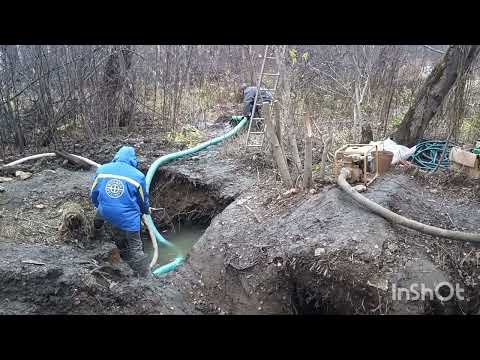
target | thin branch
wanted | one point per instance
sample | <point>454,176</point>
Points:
<point>330,76</point>
<point>434,50</point>
<point>333,92</point>
<point>45,74</point>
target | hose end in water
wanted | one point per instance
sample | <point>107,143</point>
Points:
<point>162,270</point>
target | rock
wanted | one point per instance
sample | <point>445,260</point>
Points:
<point>40,206</point>
<point>319,251</point>
<point>23,175</point>
<point>241,201</point>
<point>2,189</point>
<point>360,188</point>
<point>5,179</point>
<point>392,247</point>
<point>312,191</point>
<point>290,192</point>
<point>381,284</point>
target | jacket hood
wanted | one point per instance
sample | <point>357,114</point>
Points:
<point>126,155</point>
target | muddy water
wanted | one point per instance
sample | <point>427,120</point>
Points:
<point>184,237</point>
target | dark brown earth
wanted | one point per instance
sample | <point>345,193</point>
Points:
<point>325,254</point>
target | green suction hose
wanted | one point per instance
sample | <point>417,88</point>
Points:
<point>174,156</point>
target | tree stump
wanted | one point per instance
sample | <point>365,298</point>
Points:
<point>75,226</point>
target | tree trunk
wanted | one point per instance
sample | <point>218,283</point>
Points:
<point>278,124</point>
<point>157,50</point>
<point>293,142</point>
<point>288,101</point>
<point>278,155</point>
<point>307,173</point>
<point>457,108</point>
<point>429,99</point>
<point>367,133</point>
<point>390,91</point>
<point>118,88</point>
<point>326,148</point>
<point>361,129</point>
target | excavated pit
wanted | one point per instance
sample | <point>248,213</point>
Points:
<point>184,210</point>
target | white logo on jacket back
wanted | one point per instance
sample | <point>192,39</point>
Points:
<point>114,188</point>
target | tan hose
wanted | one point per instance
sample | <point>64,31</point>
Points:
<point>38,156</point>
<point>154,242</point>
<point>33,157</point>
<point>401,220</point>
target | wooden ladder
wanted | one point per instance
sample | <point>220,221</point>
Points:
<point>270,70</point>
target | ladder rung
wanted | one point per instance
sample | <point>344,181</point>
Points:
<point>260,118</point>
<point>270,74</point>
<point>270,57</point>
<point>265,89</point>
<point>256,132</point>
<point>252,145</point>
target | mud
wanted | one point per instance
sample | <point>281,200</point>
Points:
<point>78,282</point>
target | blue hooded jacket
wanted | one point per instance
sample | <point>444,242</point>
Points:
<point>119,191</point>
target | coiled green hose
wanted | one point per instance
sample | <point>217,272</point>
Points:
<point>428,153</point>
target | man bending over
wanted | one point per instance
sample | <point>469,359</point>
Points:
<point>120,196</point>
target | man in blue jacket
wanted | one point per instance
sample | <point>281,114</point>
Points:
<point>120,196</point>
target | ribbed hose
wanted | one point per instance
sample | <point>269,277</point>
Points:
<point>175,156</point>
<point>401,220</point>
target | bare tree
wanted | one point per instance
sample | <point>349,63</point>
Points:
<point>307,174</point>
<point>289,105</point>
<point>455,63</point>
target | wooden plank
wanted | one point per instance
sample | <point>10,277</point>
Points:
<point>10,170</point>
<point>73,160</point>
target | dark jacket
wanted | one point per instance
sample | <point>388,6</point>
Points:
<point>119,191</point>
<point>249,98</point>
<point>249,95</point>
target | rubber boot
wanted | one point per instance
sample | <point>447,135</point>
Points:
<point>141,267</point>
<point>98,234</point>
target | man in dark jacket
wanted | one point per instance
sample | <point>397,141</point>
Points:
<point>249,93</point>
<point>120,196</point>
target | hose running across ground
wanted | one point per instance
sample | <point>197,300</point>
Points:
<point>401,220</point>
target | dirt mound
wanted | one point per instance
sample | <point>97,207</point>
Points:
<point>326,254</point>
